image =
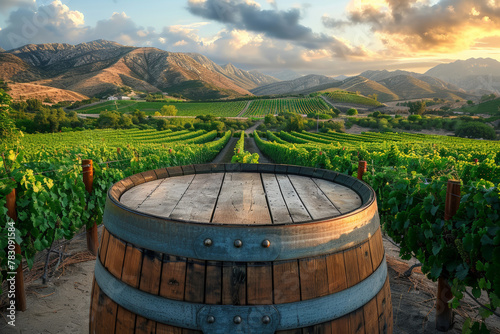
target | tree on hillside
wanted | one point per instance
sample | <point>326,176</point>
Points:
<point>295,123</point>
<point>109,119</point>
<point>168,110</point>
<point>373,96</point>
<point>352,112</point>
<point>417,107</point>
<point>8,129</point>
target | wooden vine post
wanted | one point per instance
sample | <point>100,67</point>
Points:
<point>444,314</point>
<point>88,180</point>
<point>20,295</point>
<point>361,169</point>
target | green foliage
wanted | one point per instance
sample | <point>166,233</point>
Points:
<point>8,129</point>
<point>409,173</point>
<point>350,97</point>
<point>352,112</point>
<point>302,106</point>
<point>475,130</point>
<point>417,107</point>
<point>242,156</point>
<point>168,110</point>
<point>295,123</point>
<point>51,198</point>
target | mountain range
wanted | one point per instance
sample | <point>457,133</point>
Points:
<point>100,68</point>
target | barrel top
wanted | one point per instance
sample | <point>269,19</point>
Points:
<point>248,198</point>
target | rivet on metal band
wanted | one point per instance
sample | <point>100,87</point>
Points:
<point>207,242</point>
<point>238,243</point>
<point>266,243</point>
<point>237,320</point>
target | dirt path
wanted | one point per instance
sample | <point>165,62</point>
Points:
<point>226,153</point>
<point>244,109</point>
<point>254,127</point>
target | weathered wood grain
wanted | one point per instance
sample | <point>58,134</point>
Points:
<point>242,200</point>
<point>315,201</point>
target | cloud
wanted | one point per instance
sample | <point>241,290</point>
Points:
<point>5,5</point>
<point>409,26</point>
<point>279,24</point>
<point>50,23</point>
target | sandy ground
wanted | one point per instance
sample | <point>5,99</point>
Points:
<point>62,304</point>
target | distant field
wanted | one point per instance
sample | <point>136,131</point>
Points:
<point>350,97</point>
<point>491,107</point>
<point>260,108</point>
<point>222,109</point>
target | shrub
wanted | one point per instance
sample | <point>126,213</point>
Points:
<point>475,130</point>
<point>352,112</point>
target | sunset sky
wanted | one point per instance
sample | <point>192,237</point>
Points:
<point>325,37</point>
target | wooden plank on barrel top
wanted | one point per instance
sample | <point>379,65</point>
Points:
<point>131,274</point>
<point>242,200</point>
<point>277,205</point>
<point>138,194</point>
<point>293,202</point>
<point>164,199</point>
<point>198,202</point>
<point>315,201</point>
<point>286,285</point>
<point>150,283</point>
<point>344,199</point>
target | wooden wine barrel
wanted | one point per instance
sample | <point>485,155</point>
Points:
<point>230,248</point>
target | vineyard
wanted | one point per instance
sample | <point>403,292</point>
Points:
<point>221,109</point>
<point>261,108</point>
<point>341,96</point>
<point>46,171</point>
<point>409,173</point>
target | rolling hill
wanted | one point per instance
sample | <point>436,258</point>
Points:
<point>477,75</point>
<point>368,87</point>
<point>293,86</point>
<point>409,87</point>
<point>100,68</point>
<point>32,91</point>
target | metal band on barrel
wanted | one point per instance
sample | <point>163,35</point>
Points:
<point>240,243</point>
<point>215,319</point>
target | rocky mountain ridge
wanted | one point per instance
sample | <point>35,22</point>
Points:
<point>100,68</point>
